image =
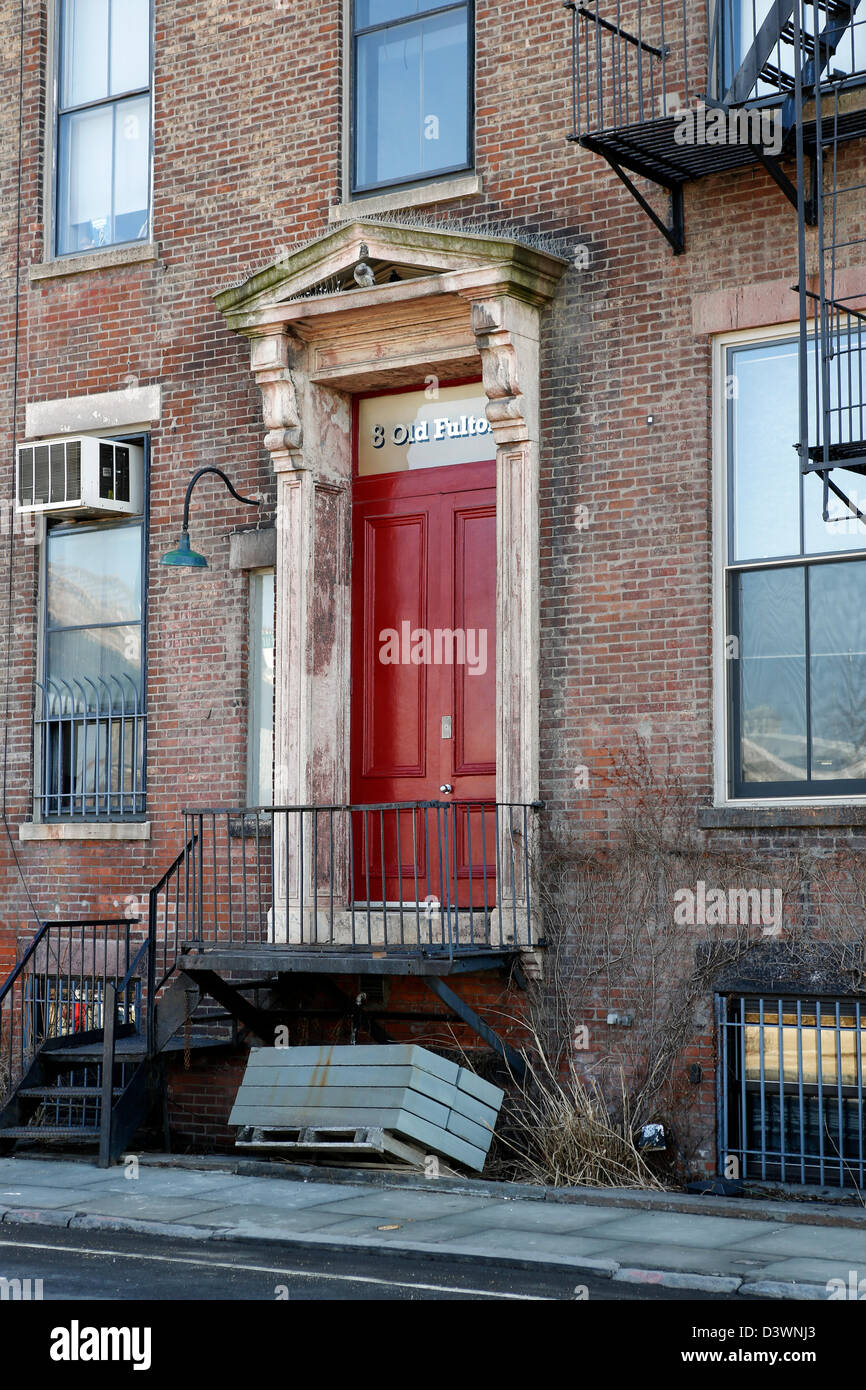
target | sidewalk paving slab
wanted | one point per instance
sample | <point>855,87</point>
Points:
<point>402,1206</point>
<point>146,1206</point>
<point>810,1242</point>
<point>45,1196</point>
<point>703,1232</point>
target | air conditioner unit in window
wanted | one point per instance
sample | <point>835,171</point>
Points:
<point>80,476</point>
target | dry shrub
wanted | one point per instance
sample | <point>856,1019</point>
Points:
<point>560,1129</point>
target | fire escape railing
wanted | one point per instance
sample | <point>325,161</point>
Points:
<point>60,987</point>
<point>773,80</point>
<point>647,73</point>
<point>832,323</point>
<point>427,877</point>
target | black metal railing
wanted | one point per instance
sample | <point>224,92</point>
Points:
<point>431,876</point>
<point>630,63</point>
<point>171,913</point>
<point>791,1090</point>
<point>637,62</point>
<point>59,988</point>
<point>91,737</point>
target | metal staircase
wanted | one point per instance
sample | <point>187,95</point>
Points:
<point>85,1026</point>
<point>646,67</point>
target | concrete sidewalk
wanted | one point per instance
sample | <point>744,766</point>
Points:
<point>779,1250</point>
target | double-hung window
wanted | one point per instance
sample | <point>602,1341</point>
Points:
<point>412,91</point>
<point>795,594</point>
<point>103,134</point>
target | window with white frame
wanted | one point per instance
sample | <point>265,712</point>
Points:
<point>411,91</point>
<point>260,739</point>
<point>103,135</point>
<point>795,596</point>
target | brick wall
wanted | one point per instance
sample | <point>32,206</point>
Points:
<point>247,160</point>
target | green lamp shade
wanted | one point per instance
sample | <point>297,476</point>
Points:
<point>184,555</point>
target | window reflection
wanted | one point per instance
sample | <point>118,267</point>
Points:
<point>411,91</point>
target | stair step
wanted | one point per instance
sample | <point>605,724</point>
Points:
<point>48,1132</point>
<point>65,1092</point>
<point>127,1049</point>
<point>774,75</point>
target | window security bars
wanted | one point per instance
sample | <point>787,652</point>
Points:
<point>92,741</point>
<point>791,1075</point>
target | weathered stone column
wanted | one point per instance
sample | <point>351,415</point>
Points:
<point>507,333</point>
<point>309,439</point>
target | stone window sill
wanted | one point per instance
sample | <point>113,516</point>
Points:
<point>780,817</point>
<point>84,830</point>
<point>94,260</point>
<point>419,195</point>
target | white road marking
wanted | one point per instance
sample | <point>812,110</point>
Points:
<point>268,1269</point>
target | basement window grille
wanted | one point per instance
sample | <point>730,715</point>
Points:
<point>791,1090</point>
<point>57,1005</point>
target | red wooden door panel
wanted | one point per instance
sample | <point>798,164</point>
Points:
<point>424,682</point>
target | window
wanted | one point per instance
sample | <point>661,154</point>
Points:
<point>412,91</point>
<point>740,21</point>
<point>260,756</point>
<point>91,706</point>
<point>792,1079</point>
<point>795,591</point>
<point>103,124</point>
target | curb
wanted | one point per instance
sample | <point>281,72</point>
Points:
<point>602,1269</point>
<point>671,1279</point>
<point>599,1268</point>
<point>767,1288</point>
<point>141,1226</point>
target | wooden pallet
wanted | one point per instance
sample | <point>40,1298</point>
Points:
<point>358,1148</point>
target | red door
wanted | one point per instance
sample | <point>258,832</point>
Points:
<point>424,683</point>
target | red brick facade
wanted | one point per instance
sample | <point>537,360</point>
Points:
<point>247,161</point>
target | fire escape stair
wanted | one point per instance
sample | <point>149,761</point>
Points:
<point>62,1095</point>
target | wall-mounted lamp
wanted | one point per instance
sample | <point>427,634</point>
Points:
<point>183,554</point>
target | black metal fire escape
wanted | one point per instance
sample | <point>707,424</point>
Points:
<point>651,77</point>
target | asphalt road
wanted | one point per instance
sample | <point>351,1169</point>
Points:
<point>117,1265</point>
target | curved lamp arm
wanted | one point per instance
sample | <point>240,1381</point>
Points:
<point>184,555</point>
<point>250,501</point>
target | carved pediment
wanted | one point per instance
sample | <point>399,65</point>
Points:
<point>368,257</point>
